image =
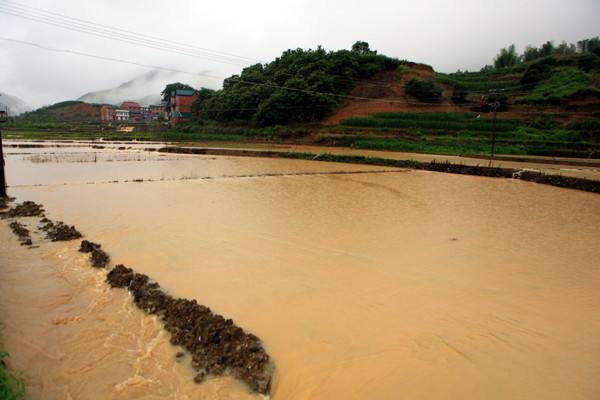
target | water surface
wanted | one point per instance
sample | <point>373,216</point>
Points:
<point>378,284</point>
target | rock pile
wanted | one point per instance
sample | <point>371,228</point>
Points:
<point>98,257</point>
<point>22,233</point>
<point>58,231</point>
<point>26,209</point>
<point>216,344</point>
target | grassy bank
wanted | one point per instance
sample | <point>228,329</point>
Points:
<point>11,388</point>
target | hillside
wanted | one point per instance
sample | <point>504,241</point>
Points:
<point>568,84</point>
<point>64,112</point>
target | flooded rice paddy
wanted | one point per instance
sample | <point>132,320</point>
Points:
<point>362,282</point>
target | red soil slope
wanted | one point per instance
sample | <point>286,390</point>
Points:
<point>388,88</point>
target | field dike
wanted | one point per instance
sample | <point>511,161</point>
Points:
<point>586,185</point>
<point>216,345</point>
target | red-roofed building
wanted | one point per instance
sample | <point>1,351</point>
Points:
<point>131,106</point>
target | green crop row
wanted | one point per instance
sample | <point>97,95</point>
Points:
<point>474,124</point>
<point>477,85</point>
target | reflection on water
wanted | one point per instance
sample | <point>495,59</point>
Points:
<point>379,286</point>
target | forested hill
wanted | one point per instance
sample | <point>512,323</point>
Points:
<point>292,88</point>
<point>329,86</point>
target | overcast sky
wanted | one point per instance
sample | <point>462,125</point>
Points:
<point>447,34</point>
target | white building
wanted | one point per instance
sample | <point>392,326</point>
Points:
<point>121,115</point>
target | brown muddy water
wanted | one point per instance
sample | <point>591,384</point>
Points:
<point>375,285</point>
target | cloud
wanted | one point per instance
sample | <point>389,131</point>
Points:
<point>144,89</point>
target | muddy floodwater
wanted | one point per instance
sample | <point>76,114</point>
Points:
<point>375,284</point>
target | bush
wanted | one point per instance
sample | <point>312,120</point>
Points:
<point>590,128</point>
<point>459,95</point>
<point>589,62</point>
<point>423,90</point>
<point>538,72</point>
<point>500,98</point>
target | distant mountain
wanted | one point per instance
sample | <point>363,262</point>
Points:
<point>13,105</point>
<point>144,89</point>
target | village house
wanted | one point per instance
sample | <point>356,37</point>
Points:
<point>181,105</point>
<point>107,113</point>
<point>132,112</point>
<point>135,110</point>
<point>157,111</point>
<point>121,115</point>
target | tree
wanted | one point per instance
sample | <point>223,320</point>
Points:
<point>590,46</point>
<point>423,90</point>
<point>299,86</point>
<point>547,49</point>
<point>361,47</point>
<point>507,57</point>
<point>565,48</point>
<point>166,93</point>
<point>531,53</point>
<point>593,46</point>
<point>204,98</point>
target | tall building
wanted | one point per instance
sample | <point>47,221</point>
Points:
<point>181,105</point>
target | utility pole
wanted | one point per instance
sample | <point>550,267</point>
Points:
<point>494,105</point>
<point>3,118</point>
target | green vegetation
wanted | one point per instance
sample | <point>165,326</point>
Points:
<point>508,57</point>
<point>10,387</point>
<point>564,83</point>
<point>475,81</point>
<point>441,121</point>
<point>423,90</point>
<point>459,133</point>
<point>291,88</point>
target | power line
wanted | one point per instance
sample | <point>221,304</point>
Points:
<point>116,37</point>
<point>106,27</point>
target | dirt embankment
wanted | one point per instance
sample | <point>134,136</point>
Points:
<point>447,167</point>
<point>387,88</point>
<point>217,346</point>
